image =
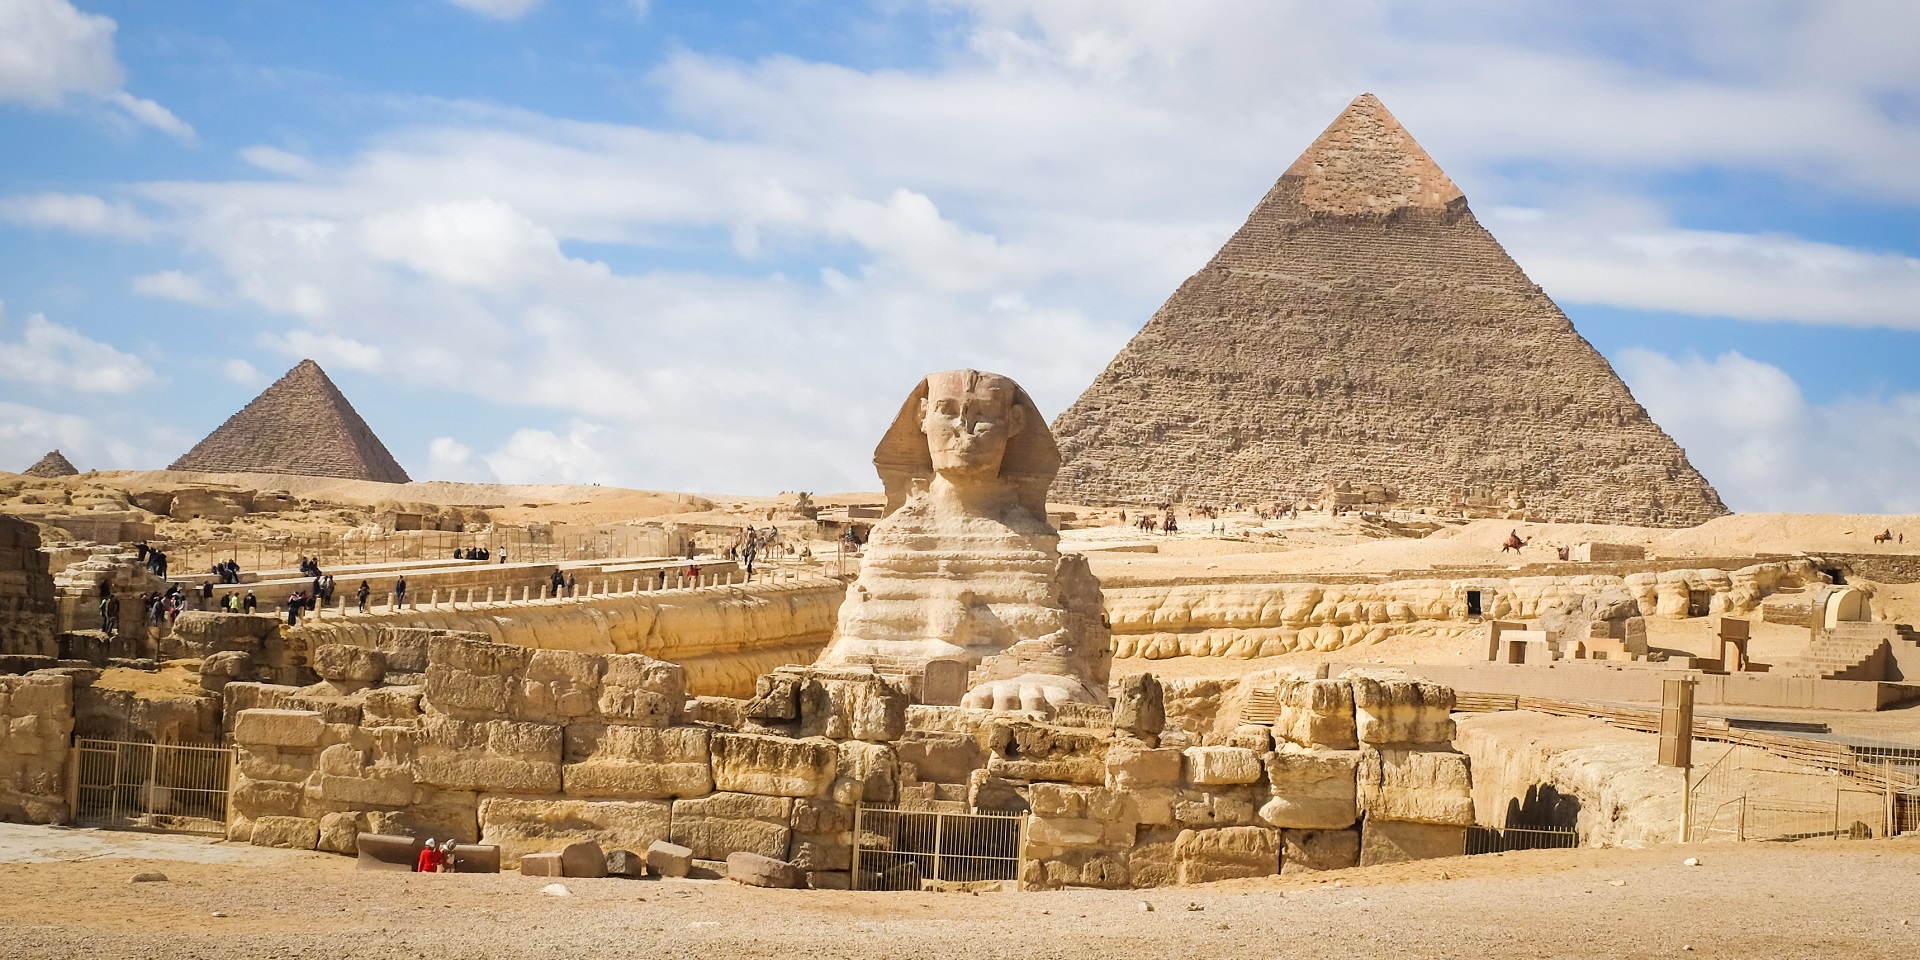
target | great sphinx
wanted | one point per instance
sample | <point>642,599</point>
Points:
<point>962,588</point>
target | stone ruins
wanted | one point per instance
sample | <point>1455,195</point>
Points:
<point>1363,327</point>
<point>302,425</point>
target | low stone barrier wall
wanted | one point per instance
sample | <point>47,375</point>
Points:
<point>1268,619</point>
<point>535,749</point>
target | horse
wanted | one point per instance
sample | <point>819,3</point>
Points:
<point>1884,536</point>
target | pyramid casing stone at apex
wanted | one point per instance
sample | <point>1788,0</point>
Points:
<point>1362,327</point>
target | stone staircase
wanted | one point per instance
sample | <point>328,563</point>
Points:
<point>1848,652</point>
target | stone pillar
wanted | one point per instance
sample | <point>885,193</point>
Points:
<point>434,603</point>
<point>489,596</point>
<point>390,606</point>
<point>469,598</point>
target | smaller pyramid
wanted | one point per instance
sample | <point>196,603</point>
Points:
<point>54,464</point>
<point>301,425</point>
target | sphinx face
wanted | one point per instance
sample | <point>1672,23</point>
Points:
<point>968,418</point>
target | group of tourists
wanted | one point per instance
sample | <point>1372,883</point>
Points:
<point>563,585</point>
<point>435,857</point>
<point>477,553</point>
<point>154,558</point>
<point>228,571</point>
<point>1151,524</point>
<point>752,543</point>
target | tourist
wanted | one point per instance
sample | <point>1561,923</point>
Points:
<point>431,858</point>
<point>362,594</point>
<point>293,608</point>
<point>400,592</point>
<point>250,604</point>
<point>573,586</point>
<point>111,621</point>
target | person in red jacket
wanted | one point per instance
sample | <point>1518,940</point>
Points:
<point>430,858</point>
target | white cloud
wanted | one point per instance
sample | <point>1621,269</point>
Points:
<point>242,372</point>
<point>77,212</point>
<point>172,285</point>
<point>59,358</point>
<point>803,240</point>
<point>542,456</point>
<point>1748,427</point>
<point>50,50</point>
<point>326,349</point>
<point>498,9</point>
<point>151,114</point>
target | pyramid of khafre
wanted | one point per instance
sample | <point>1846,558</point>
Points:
<point>300,425</point>
<point>1362,327</point>
<point>54,464</point>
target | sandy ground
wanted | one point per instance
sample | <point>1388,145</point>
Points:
<point>1810,899</point>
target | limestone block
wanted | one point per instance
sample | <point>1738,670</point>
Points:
<point>822,851</point>
<point>762,871</point>
<point>1152,806</point>
<point>340,832</point>
<point>441,814</point>
<point>776,697</point>
<point>492,755</point>
<point>1419,786</point>
<point>1131,766</point>
<point>722,823</point>
<point>279,728</point>
<point>636,762</point>
<point>348,775</point>
<point>226,666</point>
<point>542,865</point>
<point>1311,851</point>
<point>867,773</point>
<point>559,685</point>
<point>774,766</point>
<point>1311,789</point>
<point>1315,713</point>
<point>1230,806</point>
<point>390,706</point>
<point>830,879</point>
<point>1151,862</point>
<point>1095,867</point>
<point>1213,766</point>
<point>524,825</point>
<point>626,863</point>
<point>1391,841</point>
<point>1202,856</point>
<point>727,712</point>
<point>669,859</point>
<point>641,690</point>
<point>473,679</point>
<point>583,858</point>
<point>475,858</point>
<point>854,707</point>
<point>1072,815</point>
<point>1402,710</point>
<point>346,663</point>
<point>253,799</point>
<point>1139,706</point>
<point>294,833</point>
<point>290,765</point>
<point>389,852</point>
<point>1027,750</point>
<point>941,757</point>
<point>1248,736</point>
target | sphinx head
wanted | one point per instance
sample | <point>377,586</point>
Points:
<point>972,430</point>
<point>968,418</point>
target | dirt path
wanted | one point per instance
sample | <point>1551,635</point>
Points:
<point>1753,900</point>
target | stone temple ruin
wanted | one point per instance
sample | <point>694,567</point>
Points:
<point>1363,327</point>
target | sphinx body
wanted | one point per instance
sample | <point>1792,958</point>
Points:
<point>964,576</point>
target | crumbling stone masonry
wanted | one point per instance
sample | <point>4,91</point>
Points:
<point>533,750</point>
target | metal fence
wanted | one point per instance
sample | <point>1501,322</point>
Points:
<point>175,787</point>
<point>897,849</point>
<point>1744,793</point>
<point>1504,839</point>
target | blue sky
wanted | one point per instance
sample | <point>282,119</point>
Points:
<point>710,246</point>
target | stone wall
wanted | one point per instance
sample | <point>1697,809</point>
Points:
<point>724,636</point>
<point>1267,619</point>
<point>27,612</point>
<point>36,725</point>
<point>535,749</point>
